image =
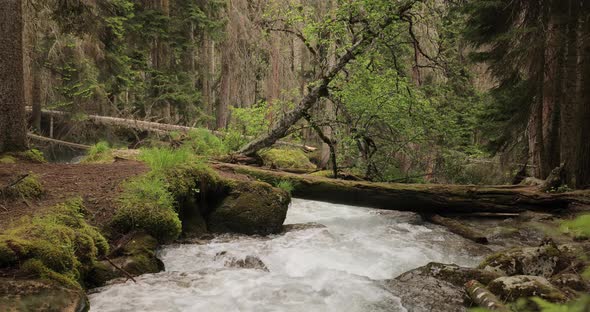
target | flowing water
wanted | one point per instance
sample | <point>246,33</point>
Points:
<point>336,267</point>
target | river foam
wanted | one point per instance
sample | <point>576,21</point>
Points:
<point>331,268</point>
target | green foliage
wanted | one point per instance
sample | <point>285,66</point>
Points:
<point>246,123</point>
<point>34,155</point>
<point>287,158</point>
<point>579,227</point>
<point>57,245</point>
<point>99,153</point>
<point>204,143</point>
<point>286,186</point>
<point>7,159</point>
<point>147,204</point>
<point>162,159</point>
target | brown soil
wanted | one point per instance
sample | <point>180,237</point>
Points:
<point>97,184</point>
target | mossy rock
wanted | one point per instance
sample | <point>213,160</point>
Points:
<point>27,188</point>
<point>41,296</point>
<point>511,288</point>
<point>457,275</point>
<point>137,256</point>
<point>286,158</point>
<point>58,245</point>
<point>545,261</point>
<point>251,208</point>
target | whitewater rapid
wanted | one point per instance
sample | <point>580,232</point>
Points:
<point>336,267</point>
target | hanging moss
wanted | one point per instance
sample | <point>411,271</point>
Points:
<point>58,245</point>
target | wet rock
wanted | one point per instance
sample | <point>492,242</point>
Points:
<point>41,296</point>
<point>250,262</point>
<point>457,275</point>
<point>302,227</point>
<point>420,292</point>
<point>511,288</point>
<point>251,208</point>
<point>136,256</point>
<point>545,261</point>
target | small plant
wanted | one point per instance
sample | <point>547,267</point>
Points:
<point>161,159</point>
<point>286,186</point>
<point>99,153</point>
<point>561,189</point>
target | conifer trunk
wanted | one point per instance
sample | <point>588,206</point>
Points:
<point>13,134</point>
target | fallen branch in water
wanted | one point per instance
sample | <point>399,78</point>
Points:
<point>129,276</point>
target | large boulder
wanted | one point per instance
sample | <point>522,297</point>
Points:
<point>42,296</point>
<point>511,288</point>
<point>250,208</point>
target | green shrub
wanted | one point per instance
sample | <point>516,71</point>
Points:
<point>34,155</point>
<point>162,159</point>
<point>286,186</point>
<point>58,245</point>
<point>99,153</point>
<point>287,158</point>
<point>203,142</point>
<point>147,204</point>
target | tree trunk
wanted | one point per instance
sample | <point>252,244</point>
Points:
<point>222,107</point>
<point>569,130</point>
<point>583,114</point>
<point>13,132</point>
<point>36,101</point>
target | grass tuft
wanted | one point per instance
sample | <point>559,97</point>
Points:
<point>99,153</point>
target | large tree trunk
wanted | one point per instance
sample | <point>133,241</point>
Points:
<point>583,114</point>
<point>13,132</point>
<point>569,130</point>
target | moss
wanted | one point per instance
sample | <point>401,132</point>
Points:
<point>58,245</point>
<point>34,155</point>
<point>29,187</point>
<point>287,158</point>
<point>323,174</point>
<point>146,204</point>
<point>7,159</point>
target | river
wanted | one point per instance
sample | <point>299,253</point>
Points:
<point>336,267</point>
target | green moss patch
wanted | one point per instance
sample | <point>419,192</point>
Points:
<point>146,204</point>
<point>33,155</point>
<point>28,187</point>
<point>286,158</point>
<point>58,245</point>
<point>7,159</point>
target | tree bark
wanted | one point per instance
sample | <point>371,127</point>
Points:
<point>13,132</point>
<point>583,114</point>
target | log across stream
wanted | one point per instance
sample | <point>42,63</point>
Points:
<point>336,261</point>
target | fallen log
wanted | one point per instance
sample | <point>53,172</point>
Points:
<point>422,198</point>
<point>59,142</point>
<point>483,297</point>
<point>153,126</point>
<point>458,228</point>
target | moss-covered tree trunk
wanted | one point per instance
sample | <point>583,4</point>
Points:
<point>13,132</point>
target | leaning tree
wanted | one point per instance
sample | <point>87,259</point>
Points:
<point>13,132</point>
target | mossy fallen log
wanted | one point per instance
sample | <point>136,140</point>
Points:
<point>422,198</point>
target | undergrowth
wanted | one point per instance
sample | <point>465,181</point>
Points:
<point>27,188</point>
<point>99,153</point>
<point>58,245</point>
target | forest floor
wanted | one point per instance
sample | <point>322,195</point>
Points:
<point>97,184</point>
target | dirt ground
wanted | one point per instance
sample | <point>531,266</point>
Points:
<point>97,184</point>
